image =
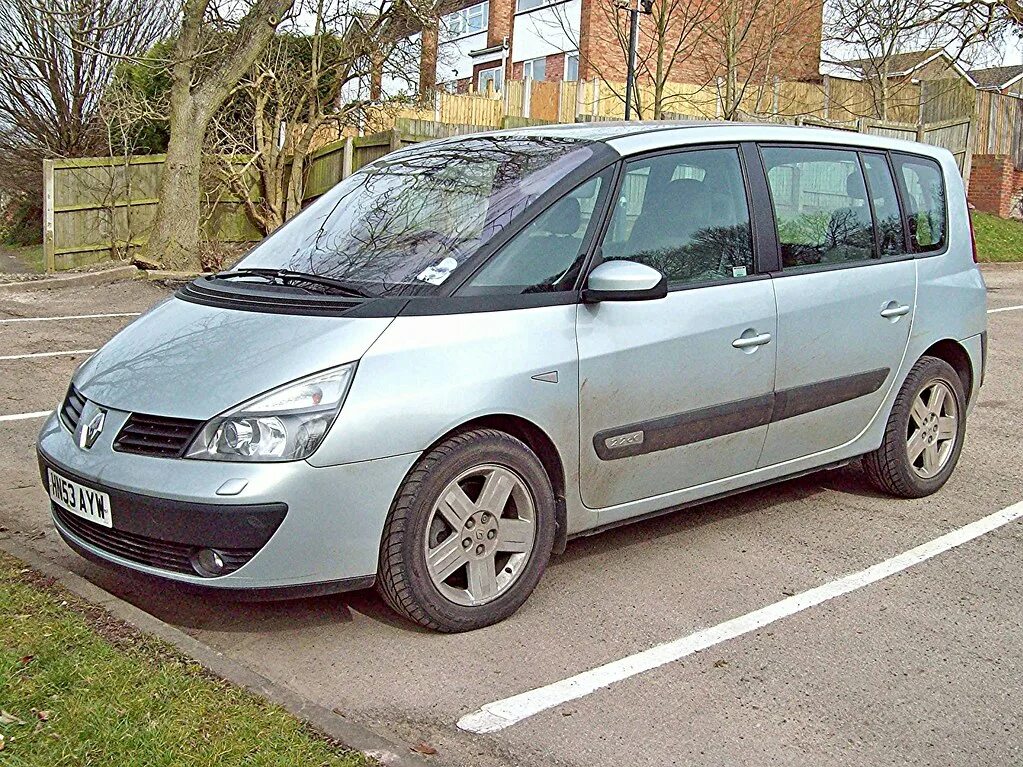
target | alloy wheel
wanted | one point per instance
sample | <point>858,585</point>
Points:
<point>480,534</point>
<point>933,429</point>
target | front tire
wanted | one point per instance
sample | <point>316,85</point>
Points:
<point>924,435</point>
<point>469,534</point>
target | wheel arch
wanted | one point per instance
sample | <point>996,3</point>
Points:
<point>955,354</point>
<point>537,440</point>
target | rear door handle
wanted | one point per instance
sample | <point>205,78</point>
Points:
<point>894,310</point>
<point>744,342</point>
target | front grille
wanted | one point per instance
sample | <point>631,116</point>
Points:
<point>71,410</point>
<point>166,555</point>
<point>156,435</point>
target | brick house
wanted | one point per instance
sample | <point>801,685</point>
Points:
<point>476,44</point>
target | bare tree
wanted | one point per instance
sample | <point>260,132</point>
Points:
<point>670,36</point>
<point>212,52</point>
<point>750,43</point>
<point>879,31</point>
<point>56,59</point>
<point>302,92</point>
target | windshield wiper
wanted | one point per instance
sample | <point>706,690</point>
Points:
<point>286,276</point>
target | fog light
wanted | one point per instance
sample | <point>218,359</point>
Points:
<point>208,562</point>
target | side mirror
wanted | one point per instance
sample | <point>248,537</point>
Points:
<point>624,281</point>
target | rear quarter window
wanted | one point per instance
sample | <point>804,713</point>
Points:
<point>924,198</point>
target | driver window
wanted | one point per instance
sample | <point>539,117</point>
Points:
<point>547,254</point>
<point>685,214</point>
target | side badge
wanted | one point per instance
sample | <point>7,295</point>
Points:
<point>624,440</point>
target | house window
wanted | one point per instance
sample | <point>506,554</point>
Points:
<point>535,69</point>
<point>494,75</point>
<point>467,21</point>
<point>571,66</point>
<point>529,5</point>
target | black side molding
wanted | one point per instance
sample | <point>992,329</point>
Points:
<point>800,400</point>
<point>732,417</point>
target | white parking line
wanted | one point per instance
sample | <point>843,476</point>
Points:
<point>25,416</point>
<point>504,713</point>
<point>47,354</point>
<point>1004,309</point>
<point>71,317</point>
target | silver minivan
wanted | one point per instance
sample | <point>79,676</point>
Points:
<point>472,350</point>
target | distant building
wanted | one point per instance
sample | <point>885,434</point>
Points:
<point>930,64</point>
<point>1002,79</point>
<point>476,44</point>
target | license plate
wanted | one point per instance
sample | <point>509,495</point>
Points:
<point>80,500</point>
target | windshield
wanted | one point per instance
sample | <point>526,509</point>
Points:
<point>404,224</point>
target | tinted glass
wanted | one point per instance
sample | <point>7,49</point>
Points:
<point>820,207</point>
<point>403,224</point>
<point>685,215</point>
<point>547,254</point>
<point>886,204</point>
<point>924,193</point>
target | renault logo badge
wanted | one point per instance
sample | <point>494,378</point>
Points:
<point>90,432</point>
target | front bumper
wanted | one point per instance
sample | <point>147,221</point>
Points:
<point>293,528</point>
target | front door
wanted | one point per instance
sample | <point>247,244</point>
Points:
<point>846,296</point>
<point>677,392</point>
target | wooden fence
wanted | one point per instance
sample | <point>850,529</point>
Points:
<point>101,208</point>
<point>999,123</point>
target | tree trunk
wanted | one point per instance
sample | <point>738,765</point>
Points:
<point>174,240</point>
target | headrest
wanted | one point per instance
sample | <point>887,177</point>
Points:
<point>686,186</point>
<point>854,186</point>
<point>565,217</point>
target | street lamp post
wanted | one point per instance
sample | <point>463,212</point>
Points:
<point>634,8</point>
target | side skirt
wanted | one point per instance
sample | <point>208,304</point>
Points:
<point>709,499</point>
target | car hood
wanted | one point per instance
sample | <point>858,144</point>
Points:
<point>186,360</point>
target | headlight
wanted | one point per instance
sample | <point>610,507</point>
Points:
<point>285,424</point>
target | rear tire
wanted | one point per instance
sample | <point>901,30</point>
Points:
<point>469,534</point>
<point>924,434</point>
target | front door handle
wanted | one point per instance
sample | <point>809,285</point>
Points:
<point>893,310</point>
<point>747,342</point>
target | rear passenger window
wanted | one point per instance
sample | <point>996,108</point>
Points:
<point>923,190</point>
<point>820,207</point>
<point>685,214</point>
<point>886,205</point>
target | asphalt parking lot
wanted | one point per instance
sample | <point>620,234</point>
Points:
<point>924,666</point>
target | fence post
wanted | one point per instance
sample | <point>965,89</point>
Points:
<point>862,125</point>
<point>595,100</point>
<point>347,157</point>
<point>580,98</point>
<point>777,90</point>
<point>49,253</point>
<point>527,97</point>
<point>436,106</point>
<point>827,97</point>
<point>394,142</point>
<point>991,123</point>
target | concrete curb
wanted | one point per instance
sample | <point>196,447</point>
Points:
<point>164,275</point>
<point>73,280</point>
<point>319,718</point>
